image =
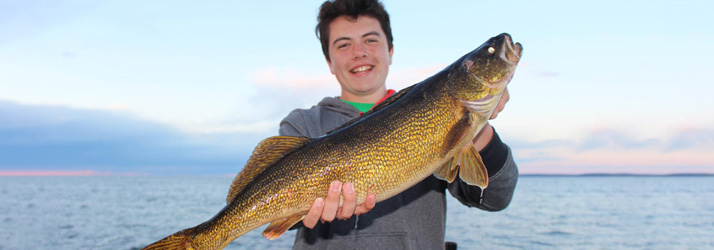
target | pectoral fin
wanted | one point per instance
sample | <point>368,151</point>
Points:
<point>468,165</point>
<point>279,227</point>
<point>264,155</point>
<point>456,133</point>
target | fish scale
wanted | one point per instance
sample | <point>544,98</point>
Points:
<point>425,129</point>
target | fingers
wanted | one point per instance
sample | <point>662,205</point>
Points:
<point>314,214</point>
<point>329,208</point>
<point>349,202</point>
<point>332,201</point>
<point>368,204</point>
<point>501,104</point>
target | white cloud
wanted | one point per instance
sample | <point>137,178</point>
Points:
<point>692,138</point>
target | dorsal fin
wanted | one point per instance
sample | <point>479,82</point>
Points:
<point>264,155</point>
<point>394,97</point>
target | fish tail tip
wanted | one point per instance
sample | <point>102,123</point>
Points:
<point>177,241</point>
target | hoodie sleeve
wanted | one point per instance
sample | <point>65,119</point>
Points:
<point>503,175</point>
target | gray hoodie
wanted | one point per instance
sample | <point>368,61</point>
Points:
<point>413,219</point>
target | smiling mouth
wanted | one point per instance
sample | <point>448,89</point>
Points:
<point>362,69</point>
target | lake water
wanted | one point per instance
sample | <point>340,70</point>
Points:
<point>546,213</point>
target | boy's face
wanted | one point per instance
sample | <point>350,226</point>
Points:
<point>359,56</point>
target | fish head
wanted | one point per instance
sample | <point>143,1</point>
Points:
<point>479,78</point>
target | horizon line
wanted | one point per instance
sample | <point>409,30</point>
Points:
<point>63,173</point>
<point>106,173</point>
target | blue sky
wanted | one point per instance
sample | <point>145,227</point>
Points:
<point>162,87</point>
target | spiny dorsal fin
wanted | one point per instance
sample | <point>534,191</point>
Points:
<point>468,165</point>
<point>264,155</point>
<point>394,97</point>
<point>279,227</point>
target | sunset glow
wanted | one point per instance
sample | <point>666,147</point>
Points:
<point>191,90</point>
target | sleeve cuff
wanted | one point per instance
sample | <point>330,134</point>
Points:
<point>494,155</point>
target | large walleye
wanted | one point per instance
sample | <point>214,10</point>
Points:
<point>425,129</point>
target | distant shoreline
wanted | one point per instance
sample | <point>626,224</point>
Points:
<point>619,175</point>
<point>95,174</point>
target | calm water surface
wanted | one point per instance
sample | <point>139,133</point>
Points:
<point>546,213</point>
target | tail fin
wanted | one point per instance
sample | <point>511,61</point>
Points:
<point>177,241</point>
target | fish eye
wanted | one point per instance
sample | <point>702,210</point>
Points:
<point>491,50</point>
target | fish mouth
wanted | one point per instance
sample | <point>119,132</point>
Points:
<point>511,52</point>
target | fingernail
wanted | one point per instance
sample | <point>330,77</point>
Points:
<point>335,186</point>
<point>349,188</point>
<point>320,202</point>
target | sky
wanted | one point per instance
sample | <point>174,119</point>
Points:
<point>189,88</point>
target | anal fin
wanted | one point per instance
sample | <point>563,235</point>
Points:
<point>468,165</point>
<point>279,227</point>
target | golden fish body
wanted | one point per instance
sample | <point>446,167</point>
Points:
<point>425,129</point>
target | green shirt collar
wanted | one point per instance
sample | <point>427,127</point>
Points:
<point>362,107</point>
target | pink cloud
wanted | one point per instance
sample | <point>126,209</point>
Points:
<point>563,159</point>
<point>291,78</point>
<point>612,150</point>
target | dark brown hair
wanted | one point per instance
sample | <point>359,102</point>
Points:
<point>352,9</point>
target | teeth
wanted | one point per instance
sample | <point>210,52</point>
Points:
<point>361,69</point>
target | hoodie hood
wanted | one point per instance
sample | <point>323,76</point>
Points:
<point>335,104</point>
